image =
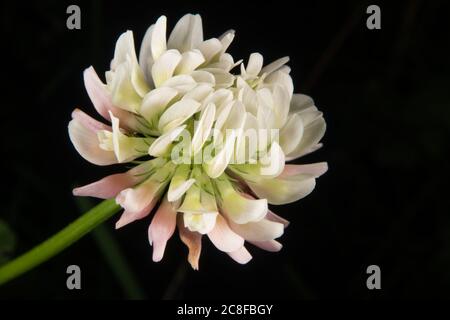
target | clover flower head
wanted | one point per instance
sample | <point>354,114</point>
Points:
<point>209,145</point>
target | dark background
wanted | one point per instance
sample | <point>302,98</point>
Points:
<point>385,97</point>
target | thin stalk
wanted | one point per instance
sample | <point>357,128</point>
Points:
<point>59,241</point>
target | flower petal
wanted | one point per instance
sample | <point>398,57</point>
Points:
<point>226,39</point>
<point>274,66</point>
<point>203,129</point>
<point>83,134</point>
<point>203,77</point>
<point>162,145</point>
<point>276,218</point>
<point>210,48</point>
<point>273,161</point>
<point>165,66</point>
<point>139,201</point>
<point>158,39</point>
<point>223,237</point>
<point>263,230</point>
<point>123,92</point>
<point>271,245</point>
<point>282,191</point>
<point>156,101</point>
<point>200,222</point>
<point>182,83</point>
<point>129,216</point>
<point>187,33</point>
<point>314,169</point>
<point>241,255</point>
<point>190,61</point>
<point>199,93</point>
<point>291,134</point>
<point>301,102</point>
<point>107,187</point>
<point>124,48</point>
<point>254,65</point>
<point>162,228</point>
<point>313,133</point>
<point>177,114</point>
<point>240,209</point>
<point>180,182</point>
<point>193,240</point>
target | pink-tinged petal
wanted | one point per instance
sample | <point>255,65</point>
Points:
<point>193,240</point>
<point>130,216</point>
<point>314,169</point>
<point>223,237</point>
<point>83,134</point>
<point>135,199</point>
<point>276,218</point>
<point>271,246</point>
<point>89,122</point>
<point>263,230</point>
<point>241,255</point>
<point>162,228</point>
<point>107,187</point>
<point>101,99</point>
<point>98,93</point>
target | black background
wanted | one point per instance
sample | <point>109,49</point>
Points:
<point>385,97</point>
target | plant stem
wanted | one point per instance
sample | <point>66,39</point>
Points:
<point>59,241</point>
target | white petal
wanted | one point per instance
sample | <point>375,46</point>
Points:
<point>220,98</point>
<point>85,142</point>
<point>238,208</point>
<point>123,92</point>
<point>273,162</point>
<point>156,101</point>
<point>281,191</point>
<point>200,198</point>
<point>281,102</point>
<point>177,114</point>
<point>216,166</point>
<point>180,182</point>
<point>158,41</point>
<point>203,129</point>
<point>124,48</point>
<point>223,237</point>
<point>275,65</point>
<point>190,61</point>
<point>283,79</point>
<point>164,67</point>
<point>224,79</point>
<point>271,245</point>
<point>226,39</point>
<point>181,83</point>
<point>200,222</point>
<point>300,102</point>
<point>203,77</point>
<point>312,134</point>
<point>146,56</point>
<point>199,93</point>
<point>210,48</point>
<point>187,33</point>
<point>127,148</point>
<point>241,255</point>
<point>291,134</point>
<point>313,169</point>
<point>254,65</point>
<point>263,230</point>
<point>162,145</point>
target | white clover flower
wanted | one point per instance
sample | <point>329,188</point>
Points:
<point>211,144</point>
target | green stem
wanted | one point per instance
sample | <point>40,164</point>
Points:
<point>59,241</point>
